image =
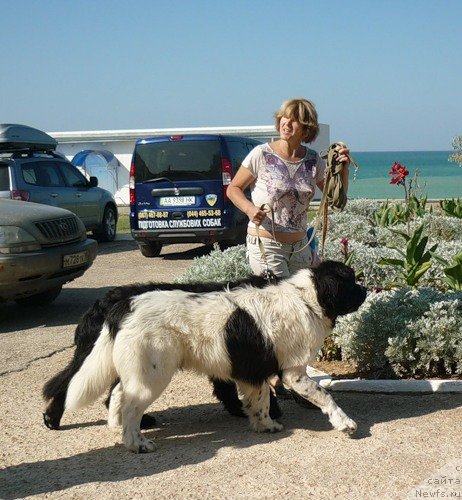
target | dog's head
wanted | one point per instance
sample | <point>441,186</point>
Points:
<point>336,288</point>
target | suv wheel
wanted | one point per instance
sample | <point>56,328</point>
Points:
<point>40,299</point>
<point>107,231</point>
<point>151,249</point>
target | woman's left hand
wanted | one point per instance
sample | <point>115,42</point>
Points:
<point>344,155</point>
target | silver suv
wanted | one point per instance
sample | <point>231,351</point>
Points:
<point>31,170</point>
<point>41,248</point>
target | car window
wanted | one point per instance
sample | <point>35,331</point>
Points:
<point>4,177</point>
<point>178,160</point>
<point>72,176</point>
<point>41,173</point>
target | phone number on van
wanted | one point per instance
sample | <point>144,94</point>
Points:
<point>179,224</point>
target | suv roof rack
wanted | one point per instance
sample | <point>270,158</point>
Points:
<point>36,152</point>
<point>15,138</point>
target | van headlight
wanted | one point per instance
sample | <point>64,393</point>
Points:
<point>14,239</point>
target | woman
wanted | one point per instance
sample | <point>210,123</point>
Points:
<point>282,176</point>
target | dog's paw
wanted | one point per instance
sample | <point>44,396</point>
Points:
<point>142,446</point>
<point>342,422</point>
<point>51,422</point>
<point>138,443</point>
<point>147,446</point>
<point>273,426</point>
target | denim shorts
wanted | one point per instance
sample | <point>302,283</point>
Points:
<point>284,259</point>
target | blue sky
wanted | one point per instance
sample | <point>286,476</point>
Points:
<point>385,75</point>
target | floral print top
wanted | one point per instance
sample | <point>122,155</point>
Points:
<point>287,187</point>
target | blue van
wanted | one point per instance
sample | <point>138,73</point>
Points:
<point>178,190</point>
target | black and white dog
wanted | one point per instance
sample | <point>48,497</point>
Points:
<point>111,309</point>
<point>244,335</point>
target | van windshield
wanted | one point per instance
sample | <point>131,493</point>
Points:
<point>178,160</point>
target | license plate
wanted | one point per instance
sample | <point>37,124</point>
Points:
<point>177,201</point>
<point>75,259</point>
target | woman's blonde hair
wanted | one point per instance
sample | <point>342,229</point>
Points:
<point>304,112</point>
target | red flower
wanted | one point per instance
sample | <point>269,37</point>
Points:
<point>399,173</point>
<point>344,243</point>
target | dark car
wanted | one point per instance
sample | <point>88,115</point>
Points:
<point>31,170</point>
<point>41,249</point>
<point>178,190</point>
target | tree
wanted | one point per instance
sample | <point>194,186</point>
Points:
<point>456,157</point>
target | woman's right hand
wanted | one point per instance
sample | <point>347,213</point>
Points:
<point>256,215</point>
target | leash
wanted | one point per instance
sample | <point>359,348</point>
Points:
<point>267,273</point>
<point>333,195</point>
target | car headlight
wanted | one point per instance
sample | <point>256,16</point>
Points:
<point>14,239</point>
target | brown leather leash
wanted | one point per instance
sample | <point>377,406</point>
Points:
<point>334,194</point>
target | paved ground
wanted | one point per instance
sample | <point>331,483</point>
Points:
<point>406,446</point>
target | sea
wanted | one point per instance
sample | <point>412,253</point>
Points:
<point>437,177</point>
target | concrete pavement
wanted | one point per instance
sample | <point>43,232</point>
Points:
<point>404,447</point>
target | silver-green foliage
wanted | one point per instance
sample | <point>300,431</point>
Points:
<point>365,261</point>
<point>371,243</point>
<point>229,265</point>
<point>411,332</point>
<point>363,207</point>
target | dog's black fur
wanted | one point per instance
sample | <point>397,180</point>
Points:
<point>112,308</point>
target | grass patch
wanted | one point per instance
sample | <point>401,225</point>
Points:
<point>123,224</point>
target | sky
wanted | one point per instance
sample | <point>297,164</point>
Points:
<point>386,75</point>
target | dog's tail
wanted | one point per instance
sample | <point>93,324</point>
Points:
<point>95,375</point>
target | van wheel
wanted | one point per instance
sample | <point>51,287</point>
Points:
<point>40,299</point>
<point>107,230</point>
<point>151,249</point>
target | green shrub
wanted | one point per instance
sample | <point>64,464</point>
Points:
<point>452,207</point>
<point>415,261</point>
<point>432,346</point>
<point>365,261</point>
<point>362,206</point>
<point>404,332</point>
<point>229,265</point>
<point>357,227</point>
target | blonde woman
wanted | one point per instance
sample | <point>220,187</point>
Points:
<point>282,176</point>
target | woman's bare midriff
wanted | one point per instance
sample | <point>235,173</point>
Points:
<point>281,237</point>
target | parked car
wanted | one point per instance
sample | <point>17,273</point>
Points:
<point>178,190</point>
<point>41,249</point>
<point>31,170</point>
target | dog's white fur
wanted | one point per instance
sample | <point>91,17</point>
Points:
<point>170,330</point>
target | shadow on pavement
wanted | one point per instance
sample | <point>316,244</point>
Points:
<point>66,309</point>
<point>193,434</point>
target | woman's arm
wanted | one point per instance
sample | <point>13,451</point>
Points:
<point>235,191</point>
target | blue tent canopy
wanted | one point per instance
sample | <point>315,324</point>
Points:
<point>94,157</point>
